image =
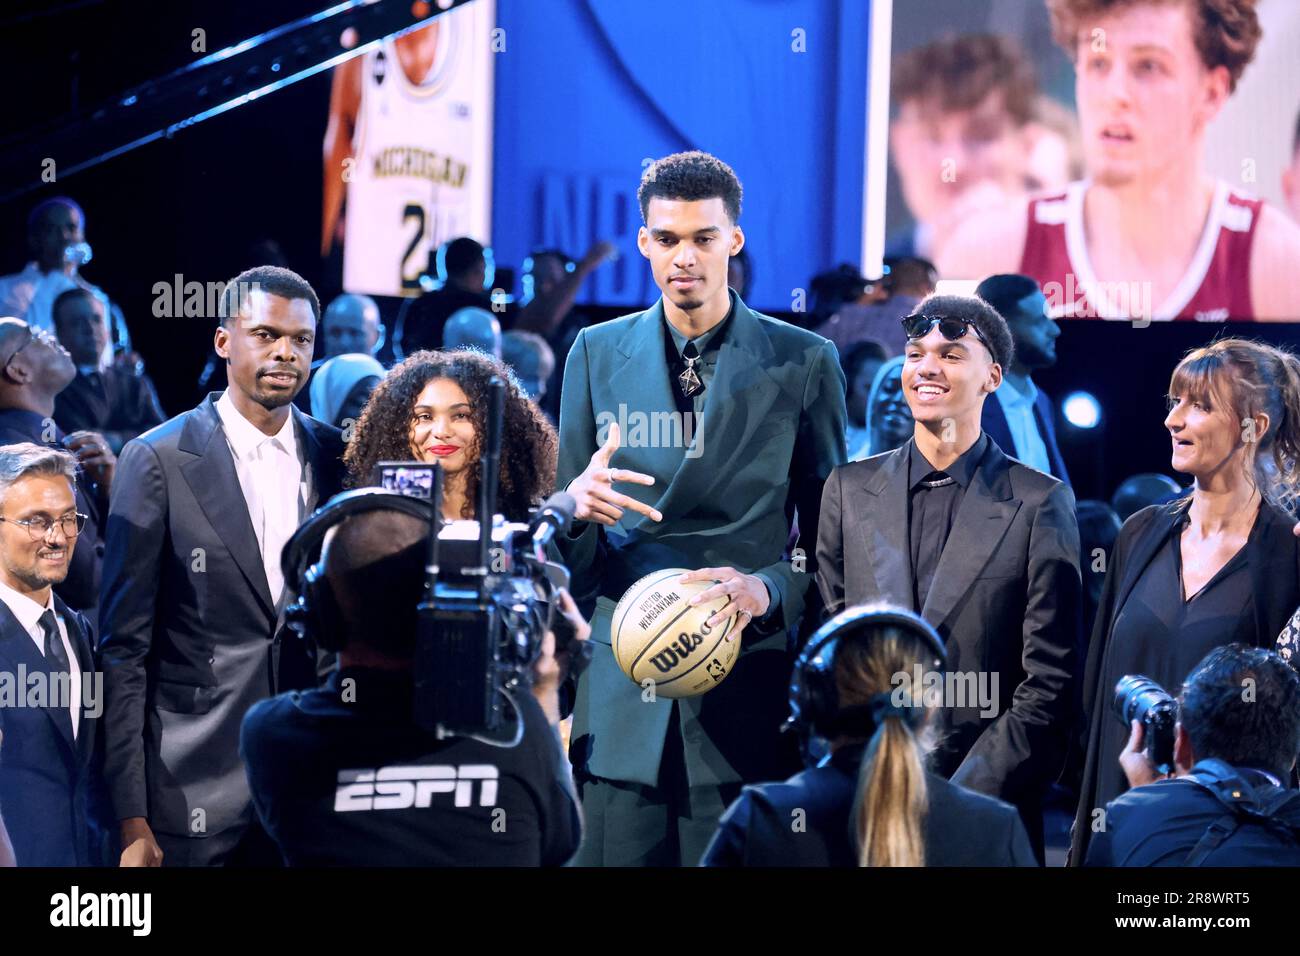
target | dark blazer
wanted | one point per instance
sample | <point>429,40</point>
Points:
<point>116,404</point>
<point>772,429</point>
<point>995,424</point>
<point>961,827</point>
<point>188,621</point>
<point>81,587</point>
<point>45,774</point>
<point>1161,823</point>
<point>1005,599</point>
<point>1274,557</point>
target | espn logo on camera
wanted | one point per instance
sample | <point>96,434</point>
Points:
<point>400,788</point>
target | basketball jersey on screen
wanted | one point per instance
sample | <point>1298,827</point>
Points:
<point>409,190</point>
<point>1215,287</point>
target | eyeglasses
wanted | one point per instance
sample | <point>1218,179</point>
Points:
<point>33,335</point>
<point>38,526</point>
<point>919,326</point>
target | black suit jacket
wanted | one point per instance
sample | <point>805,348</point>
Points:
<point>1274,557</point>
<point>961,828</point>
<point>185,600</point>
<point>1004,599</point>
<point>995,424</point>
<point>45,774</point>
<point>81,587</point>
<point>119,406</point>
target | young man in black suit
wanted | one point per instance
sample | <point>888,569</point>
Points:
<point>983,547</point>
<point>201,508</point>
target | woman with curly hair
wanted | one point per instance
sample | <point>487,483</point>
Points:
<point>432,407</point>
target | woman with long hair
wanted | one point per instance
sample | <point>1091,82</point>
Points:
<point>432,407</point>
<point>865,686</point>
<point>1215,566</point>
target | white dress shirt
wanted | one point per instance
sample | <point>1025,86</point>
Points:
<point>28,613</point>
<point>271,477</point>
<point>1018,407</point>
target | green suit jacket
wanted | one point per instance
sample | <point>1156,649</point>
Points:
<point>772,430</point>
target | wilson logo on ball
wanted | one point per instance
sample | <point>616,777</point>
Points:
<point>656,635</point>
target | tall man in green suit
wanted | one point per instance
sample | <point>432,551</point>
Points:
<point>757,413</point>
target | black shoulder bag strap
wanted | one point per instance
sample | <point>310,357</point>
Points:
<point>1243,804</point>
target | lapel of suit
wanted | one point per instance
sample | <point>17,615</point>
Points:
<point>1145,548</point>
<point>876,514</point>
<point>1270,554</point>
<point>737,403</point>
<point>640,389</point>
<point>983,517</point>
<point>86,661</point>
<point>309,448</point>
<point>994,422</point>
<point>215,484</point>
<point>17,645</point>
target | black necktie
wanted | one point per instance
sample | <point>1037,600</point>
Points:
<point>55,656</point>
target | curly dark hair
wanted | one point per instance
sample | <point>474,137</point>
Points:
<point>528,441</point>
<point>1226,32</point>
<point>690,176</point>
<point>978,313</point>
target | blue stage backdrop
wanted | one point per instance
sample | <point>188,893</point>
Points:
<point>588,90</point>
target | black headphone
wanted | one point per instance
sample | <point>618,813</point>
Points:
<point>814,700</point>
<point>315,615</point>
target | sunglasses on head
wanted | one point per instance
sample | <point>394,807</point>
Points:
<point>919,326</point>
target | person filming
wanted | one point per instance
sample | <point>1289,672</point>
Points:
<point>344,775</point>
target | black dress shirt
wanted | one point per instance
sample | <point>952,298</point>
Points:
<point>932,509</point>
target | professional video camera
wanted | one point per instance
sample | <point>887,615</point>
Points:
<point>1142,699</point>
<point>490,595</point>
<point>489,600</point>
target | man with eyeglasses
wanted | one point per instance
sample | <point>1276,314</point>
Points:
<point>46,743</point>
<point>983,547</point>
<point>34,368</point>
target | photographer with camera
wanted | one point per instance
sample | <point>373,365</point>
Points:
<point>1228,758</point>
<point>343,774</point>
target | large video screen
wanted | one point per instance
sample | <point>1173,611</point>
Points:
<point>1138,159</point>
<point>408,151</point>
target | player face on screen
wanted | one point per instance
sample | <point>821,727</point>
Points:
<point>1143,92</point>
<point>689,244</point>
<point>442,427</point>
<point>268,348</point>
<point>944,379</point>
<point>941,154</point>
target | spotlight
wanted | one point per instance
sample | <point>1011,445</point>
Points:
<point>1082,410</point>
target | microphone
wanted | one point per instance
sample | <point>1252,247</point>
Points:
<point>554,517</point>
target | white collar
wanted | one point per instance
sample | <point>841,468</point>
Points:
<point>23,607</point>
<point>244,436</point>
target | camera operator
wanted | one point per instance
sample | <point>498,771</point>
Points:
<point>1227,803</point>
<point>341,775</point>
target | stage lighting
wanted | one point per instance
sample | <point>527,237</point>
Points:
<point>1082,410</point>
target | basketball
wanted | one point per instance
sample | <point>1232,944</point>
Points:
<point>658,636</point>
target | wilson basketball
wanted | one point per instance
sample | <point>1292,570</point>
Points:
<point>657,635</point>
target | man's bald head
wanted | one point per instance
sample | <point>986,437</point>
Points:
<point>351,324</point>
<point>374,563</point>
<point>13,333</point>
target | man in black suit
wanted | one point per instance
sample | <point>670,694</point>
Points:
<point>984,548</point>
<point>116,401</point>
<point>192,583</point>
<point>46,745</point>
<point>35,369</point>
<point>1019,417</point>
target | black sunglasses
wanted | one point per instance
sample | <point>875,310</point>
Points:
<point>919,326</point>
